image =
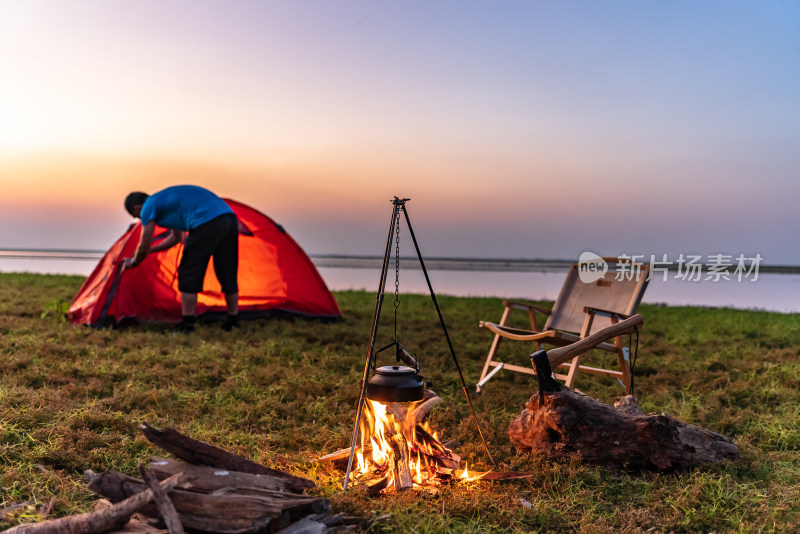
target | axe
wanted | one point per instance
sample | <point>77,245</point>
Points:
<point>544,361</point>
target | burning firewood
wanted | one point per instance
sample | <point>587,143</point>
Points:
<point>399,445</point>
<point>401,462</point>
<point>399,450</point>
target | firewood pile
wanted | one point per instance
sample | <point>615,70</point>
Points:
<point>209,490</point>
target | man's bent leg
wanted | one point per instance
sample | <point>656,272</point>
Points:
<point>188,304</point>
<point>188,307</point>
<point>232,321</point>
<point>232,302</point>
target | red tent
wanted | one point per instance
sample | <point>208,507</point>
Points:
<point>275,275</point>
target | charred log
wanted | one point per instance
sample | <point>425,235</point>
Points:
<point>401,462</point>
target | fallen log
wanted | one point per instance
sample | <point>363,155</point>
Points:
<point>96,522</point>
<point>563,423</point>
<point>201,453</point>
<point>571,424</point>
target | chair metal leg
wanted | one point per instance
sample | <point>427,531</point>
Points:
<point>489,376</point>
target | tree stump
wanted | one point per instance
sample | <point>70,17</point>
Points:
<point>569,424</point>
<point>564,423</point>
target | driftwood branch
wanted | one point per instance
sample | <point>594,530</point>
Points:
<point>137,524</point>
<point>165,507</point>
<point>96,522</point>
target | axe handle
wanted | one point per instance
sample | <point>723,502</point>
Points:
<point>564,354</point>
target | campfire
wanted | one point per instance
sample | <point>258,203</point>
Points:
<point>398,449</point>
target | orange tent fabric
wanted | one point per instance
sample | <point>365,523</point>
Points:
<point>275,275</point>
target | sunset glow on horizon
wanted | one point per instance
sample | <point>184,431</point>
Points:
<point>521,130</point>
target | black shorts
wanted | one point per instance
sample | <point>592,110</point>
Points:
<point>217,238</point>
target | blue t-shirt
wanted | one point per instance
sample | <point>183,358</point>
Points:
<point>183,207</point>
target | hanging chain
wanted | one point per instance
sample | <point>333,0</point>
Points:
<point>396,275</point>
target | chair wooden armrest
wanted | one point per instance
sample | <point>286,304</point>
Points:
<point>516,334</point>
<point>525,306</point>
<point>604,313</point>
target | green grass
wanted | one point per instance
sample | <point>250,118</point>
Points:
<point>282,392</point>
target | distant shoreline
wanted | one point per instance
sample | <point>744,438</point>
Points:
<point>344,261</point>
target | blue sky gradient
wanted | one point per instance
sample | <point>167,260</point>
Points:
<point>518,129</point>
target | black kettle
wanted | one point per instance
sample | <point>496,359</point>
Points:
<point>397,383</point>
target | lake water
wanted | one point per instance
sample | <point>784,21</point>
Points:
<point>770,291</point>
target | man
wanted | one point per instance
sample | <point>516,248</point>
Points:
<point>213,231</point>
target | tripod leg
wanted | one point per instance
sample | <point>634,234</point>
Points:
<point>446,335</point>
<point>370,353</point>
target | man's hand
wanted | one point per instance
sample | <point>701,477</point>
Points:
<point>143,247</point>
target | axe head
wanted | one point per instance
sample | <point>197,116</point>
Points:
<point>547,384</point>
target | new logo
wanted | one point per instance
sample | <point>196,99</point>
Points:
<point>591,267</point>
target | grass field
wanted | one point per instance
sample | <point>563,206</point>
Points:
<point>282,392</point>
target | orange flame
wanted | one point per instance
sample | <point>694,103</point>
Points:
<point>465,474</point>
<point>382,438</point>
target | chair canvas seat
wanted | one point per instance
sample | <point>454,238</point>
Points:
<point>580,309</point>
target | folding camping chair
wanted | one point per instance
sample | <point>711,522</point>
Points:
<point>581,309</point>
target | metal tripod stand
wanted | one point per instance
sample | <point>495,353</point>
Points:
<point>400,205</point>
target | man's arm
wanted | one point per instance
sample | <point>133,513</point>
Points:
<point>143,247</point>
<point>174,237</point>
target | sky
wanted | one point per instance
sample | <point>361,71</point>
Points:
<point>518,129</point>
